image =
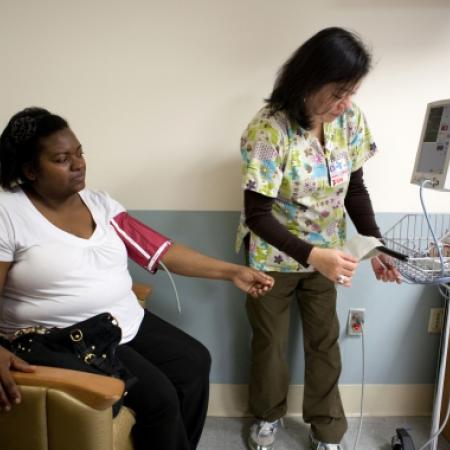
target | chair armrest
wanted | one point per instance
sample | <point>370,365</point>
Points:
<point>97,391</point>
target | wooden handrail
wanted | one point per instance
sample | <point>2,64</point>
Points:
<point>97,391</point>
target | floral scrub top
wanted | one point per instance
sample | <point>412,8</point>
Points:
<point>308,181</point>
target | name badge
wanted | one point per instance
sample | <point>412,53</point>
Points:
<point>339,171</point>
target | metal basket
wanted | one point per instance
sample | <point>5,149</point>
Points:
<point>412,237</point>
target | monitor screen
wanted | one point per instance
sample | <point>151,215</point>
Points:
<point>435,144</point>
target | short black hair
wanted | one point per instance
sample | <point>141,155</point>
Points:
<point>333,55</point>
<point>20,142</point>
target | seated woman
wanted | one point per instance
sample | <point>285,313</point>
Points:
<point>62,260</point>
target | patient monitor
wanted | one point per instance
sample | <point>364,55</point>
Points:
<point>433,154</point>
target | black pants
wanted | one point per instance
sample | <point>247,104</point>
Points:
<point>170,398</point>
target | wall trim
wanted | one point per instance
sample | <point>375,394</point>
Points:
<point>381,400</point>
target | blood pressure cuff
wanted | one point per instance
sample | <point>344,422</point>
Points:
<point>144,245</point>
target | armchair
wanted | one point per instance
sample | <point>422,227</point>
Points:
<point>64,409</point>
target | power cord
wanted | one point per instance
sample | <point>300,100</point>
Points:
<point>363,383</point>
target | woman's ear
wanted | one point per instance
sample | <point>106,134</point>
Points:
<point>29,171</point>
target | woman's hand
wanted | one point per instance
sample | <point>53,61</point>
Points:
<point>384,269</point>
<point>185,261</point>
<point>9,392</point>
<point>336,265</point>
<point>251,281</point>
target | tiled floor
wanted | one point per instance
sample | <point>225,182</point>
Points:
<point>230,433</point>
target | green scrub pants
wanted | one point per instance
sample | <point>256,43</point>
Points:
<point>269,379</point>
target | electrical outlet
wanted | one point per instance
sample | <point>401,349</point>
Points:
<point>355,321</point>
<point>435,320</point>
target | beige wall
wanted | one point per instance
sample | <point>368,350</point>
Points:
<point>159,91</point>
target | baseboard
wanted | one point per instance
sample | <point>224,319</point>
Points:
<point>380,400</point>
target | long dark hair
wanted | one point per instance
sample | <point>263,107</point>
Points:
<point>333,55</point>
<point>20,142</point>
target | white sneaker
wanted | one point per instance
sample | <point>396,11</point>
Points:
<point>262,435</point>
<point>317,445</point>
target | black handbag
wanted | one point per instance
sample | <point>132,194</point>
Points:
<point>88,346</point>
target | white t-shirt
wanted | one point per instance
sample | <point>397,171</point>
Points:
<point>57,278</point>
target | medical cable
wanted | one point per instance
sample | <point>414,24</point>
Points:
<point>436,243</point>
<point>446,296</point>
<point>173,285</point>
<point>447,414</point>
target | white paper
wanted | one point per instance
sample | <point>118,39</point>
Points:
<point>363,247</point>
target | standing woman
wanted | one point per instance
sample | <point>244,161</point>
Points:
<point>302,168</point>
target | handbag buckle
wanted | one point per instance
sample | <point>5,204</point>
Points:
<point>89,358</point>
<point>31,330</point>
<point>76,335</point>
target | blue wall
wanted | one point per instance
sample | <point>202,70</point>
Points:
<point>398,347</point>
